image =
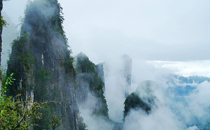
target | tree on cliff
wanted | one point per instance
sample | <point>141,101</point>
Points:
<point>17,115</point>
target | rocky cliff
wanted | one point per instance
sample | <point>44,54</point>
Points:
<point>90,80</point>
<point>133,101</point>
<point>42,65</point>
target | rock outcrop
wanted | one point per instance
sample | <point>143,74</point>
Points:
<point>133,101</point>
<point>146,97</point>
<point>90,81</point>
<point>42,65</point>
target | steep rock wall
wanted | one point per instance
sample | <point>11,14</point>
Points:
<point>90,80</point>
<point>42,65</point>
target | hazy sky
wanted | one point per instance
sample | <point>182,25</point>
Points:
<point>172,30</point>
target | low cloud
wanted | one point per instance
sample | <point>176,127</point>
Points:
<point>93,121</point>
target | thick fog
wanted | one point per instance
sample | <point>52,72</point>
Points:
<point>163,38</point>
<point>175,107</point>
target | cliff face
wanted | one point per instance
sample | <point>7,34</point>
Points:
<point>100,69</point>
<point>90,80</point>
<point>41,62</point>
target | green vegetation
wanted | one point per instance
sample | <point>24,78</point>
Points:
<point>21,40</point>
<point>2,22</point>
<point>50,120</point>
<point>134,102</point>
<point>41,78</point>
<point>68,64</point>
<point>54,22</point>
<point>48,80</point>
<point>42,75</point>
<point>27,60</point>
<point>24,57</point>
<point>20,61</point>
<point>18,114</point>
<point>85,66</point>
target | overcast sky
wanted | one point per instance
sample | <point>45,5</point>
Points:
<point>169,30</point>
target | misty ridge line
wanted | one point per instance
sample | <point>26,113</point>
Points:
<point>176,102</point>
